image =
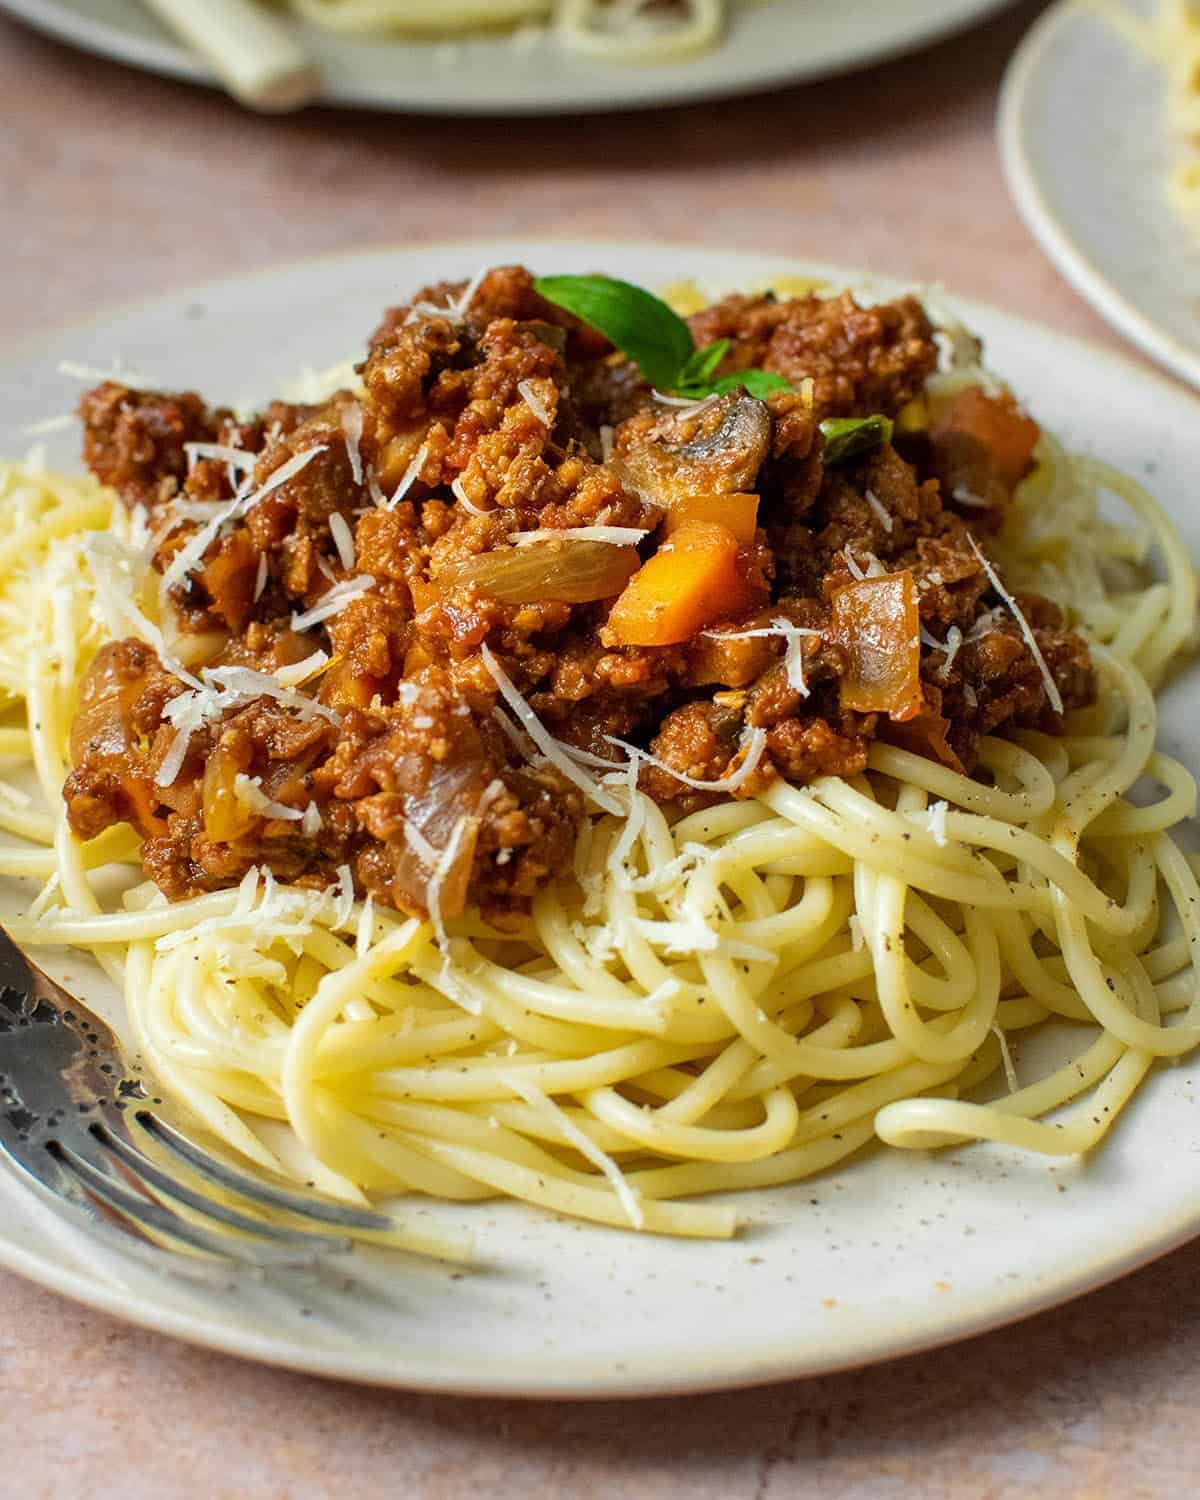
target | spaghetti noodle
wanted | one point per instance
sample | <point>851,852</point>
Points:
<point>611,30</point>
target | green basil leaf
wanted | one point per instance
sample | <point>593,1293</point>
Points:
<point>638,323</point>
<point>758,383</point>
<point>703,363</point>
<point>850,437</point>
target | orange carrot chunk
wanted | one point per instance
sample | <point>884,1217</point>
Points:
<point>998,425</point>
<point>877,625</point>
<point>739,512</point>
<point>691,581</point>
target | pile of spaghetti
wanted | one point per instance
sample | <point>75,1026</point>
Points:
<point>644,31</point>
<point>735,996</point>
<point>1169,35</point>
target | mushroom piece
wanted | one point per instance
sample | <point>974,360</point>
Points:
<point>713,448</point>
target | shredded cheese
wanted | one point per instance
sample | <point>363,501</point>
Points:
<point>754,745</point>
<point>542,737</point>
<point>570,1134</point>
<point>311,823</point>
<point>134,379</point>
<point>967,497</point>
<point>352,430</point>
<point>936,822</point>
<point>881,514</point>
<point>606,441</point>
<point>343,539</point>
<point>458,490</point>
<point>333,601</point>
<point>455,310</point>
<point>302,671</point>
<point>192,552</point>
<point>785,630</point>
<point>1052,694</point>
<point>248,791</point>
<point>236,458</point>
<point>534,402</point>
<point>410,476</point>
<point>219,689</point>
<point>950,647</point>
<point>260,578</point>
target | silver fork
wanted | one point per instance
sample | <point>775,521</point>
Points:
<point>75,1120</point>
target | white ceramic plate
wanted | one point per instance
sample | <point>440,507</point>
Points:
<point>891,1254</point>
<point>770,42</point>
<point>1084,140</point>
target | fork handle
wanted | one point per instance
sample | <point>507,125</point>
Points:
<point>256,58</point>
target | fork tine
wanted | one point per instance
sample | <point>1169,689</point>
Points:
<point>256,1189</point>
<point>171,1187</point>
<point>160,1223</point>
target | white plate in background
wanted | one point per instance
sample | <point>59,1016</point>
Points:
<point>892,1253</point>
<point>770,42</point>
<point>1086,149</point>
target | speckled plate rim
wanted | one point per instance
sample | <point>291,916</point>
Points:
<point>715,1366</point>
<point>1072,258</point>
<point>748,69</point>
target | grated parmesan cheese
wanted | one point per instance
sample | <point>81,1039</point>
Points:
<point>236,458</point>
<point>534,402</point>
<point>755,744</point>
<point>302,671</point>
<point>193,550</point>
<point>343,897</point>
<point>936,822</point>
<point>543,739</point>
<point>785,630</point>
<point>881,514</point>
<point>134,379</point>
<point>260,578</point>
<point>950,646</point>
<point>1052,694</point>
<point>410,476</point>
<point>458,490</point>
<point>248,791</point>
<point>606,442</point>
<point>455,311</point>
<point>343,539</point>
<point>352,430</point>
<point>219,689</point>
<point>967,497</point>
<point>333,601</point>
<point>567,1131</point>
<point>311,823</point>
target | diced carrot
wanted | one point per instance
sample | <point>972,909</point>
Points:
<point>878,626</point>
<point>691,581</point>
<point>738,511</point>
<point>998,424</point>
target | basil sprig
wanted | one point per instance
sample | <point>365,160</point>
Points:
<point>851,437</point>
<point>642,326</point>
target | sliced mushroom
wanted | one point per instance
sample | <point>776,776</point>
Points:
<point>714,448</point>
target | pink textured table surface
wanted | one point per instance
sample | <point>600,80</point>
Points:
<point>113,186</point>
